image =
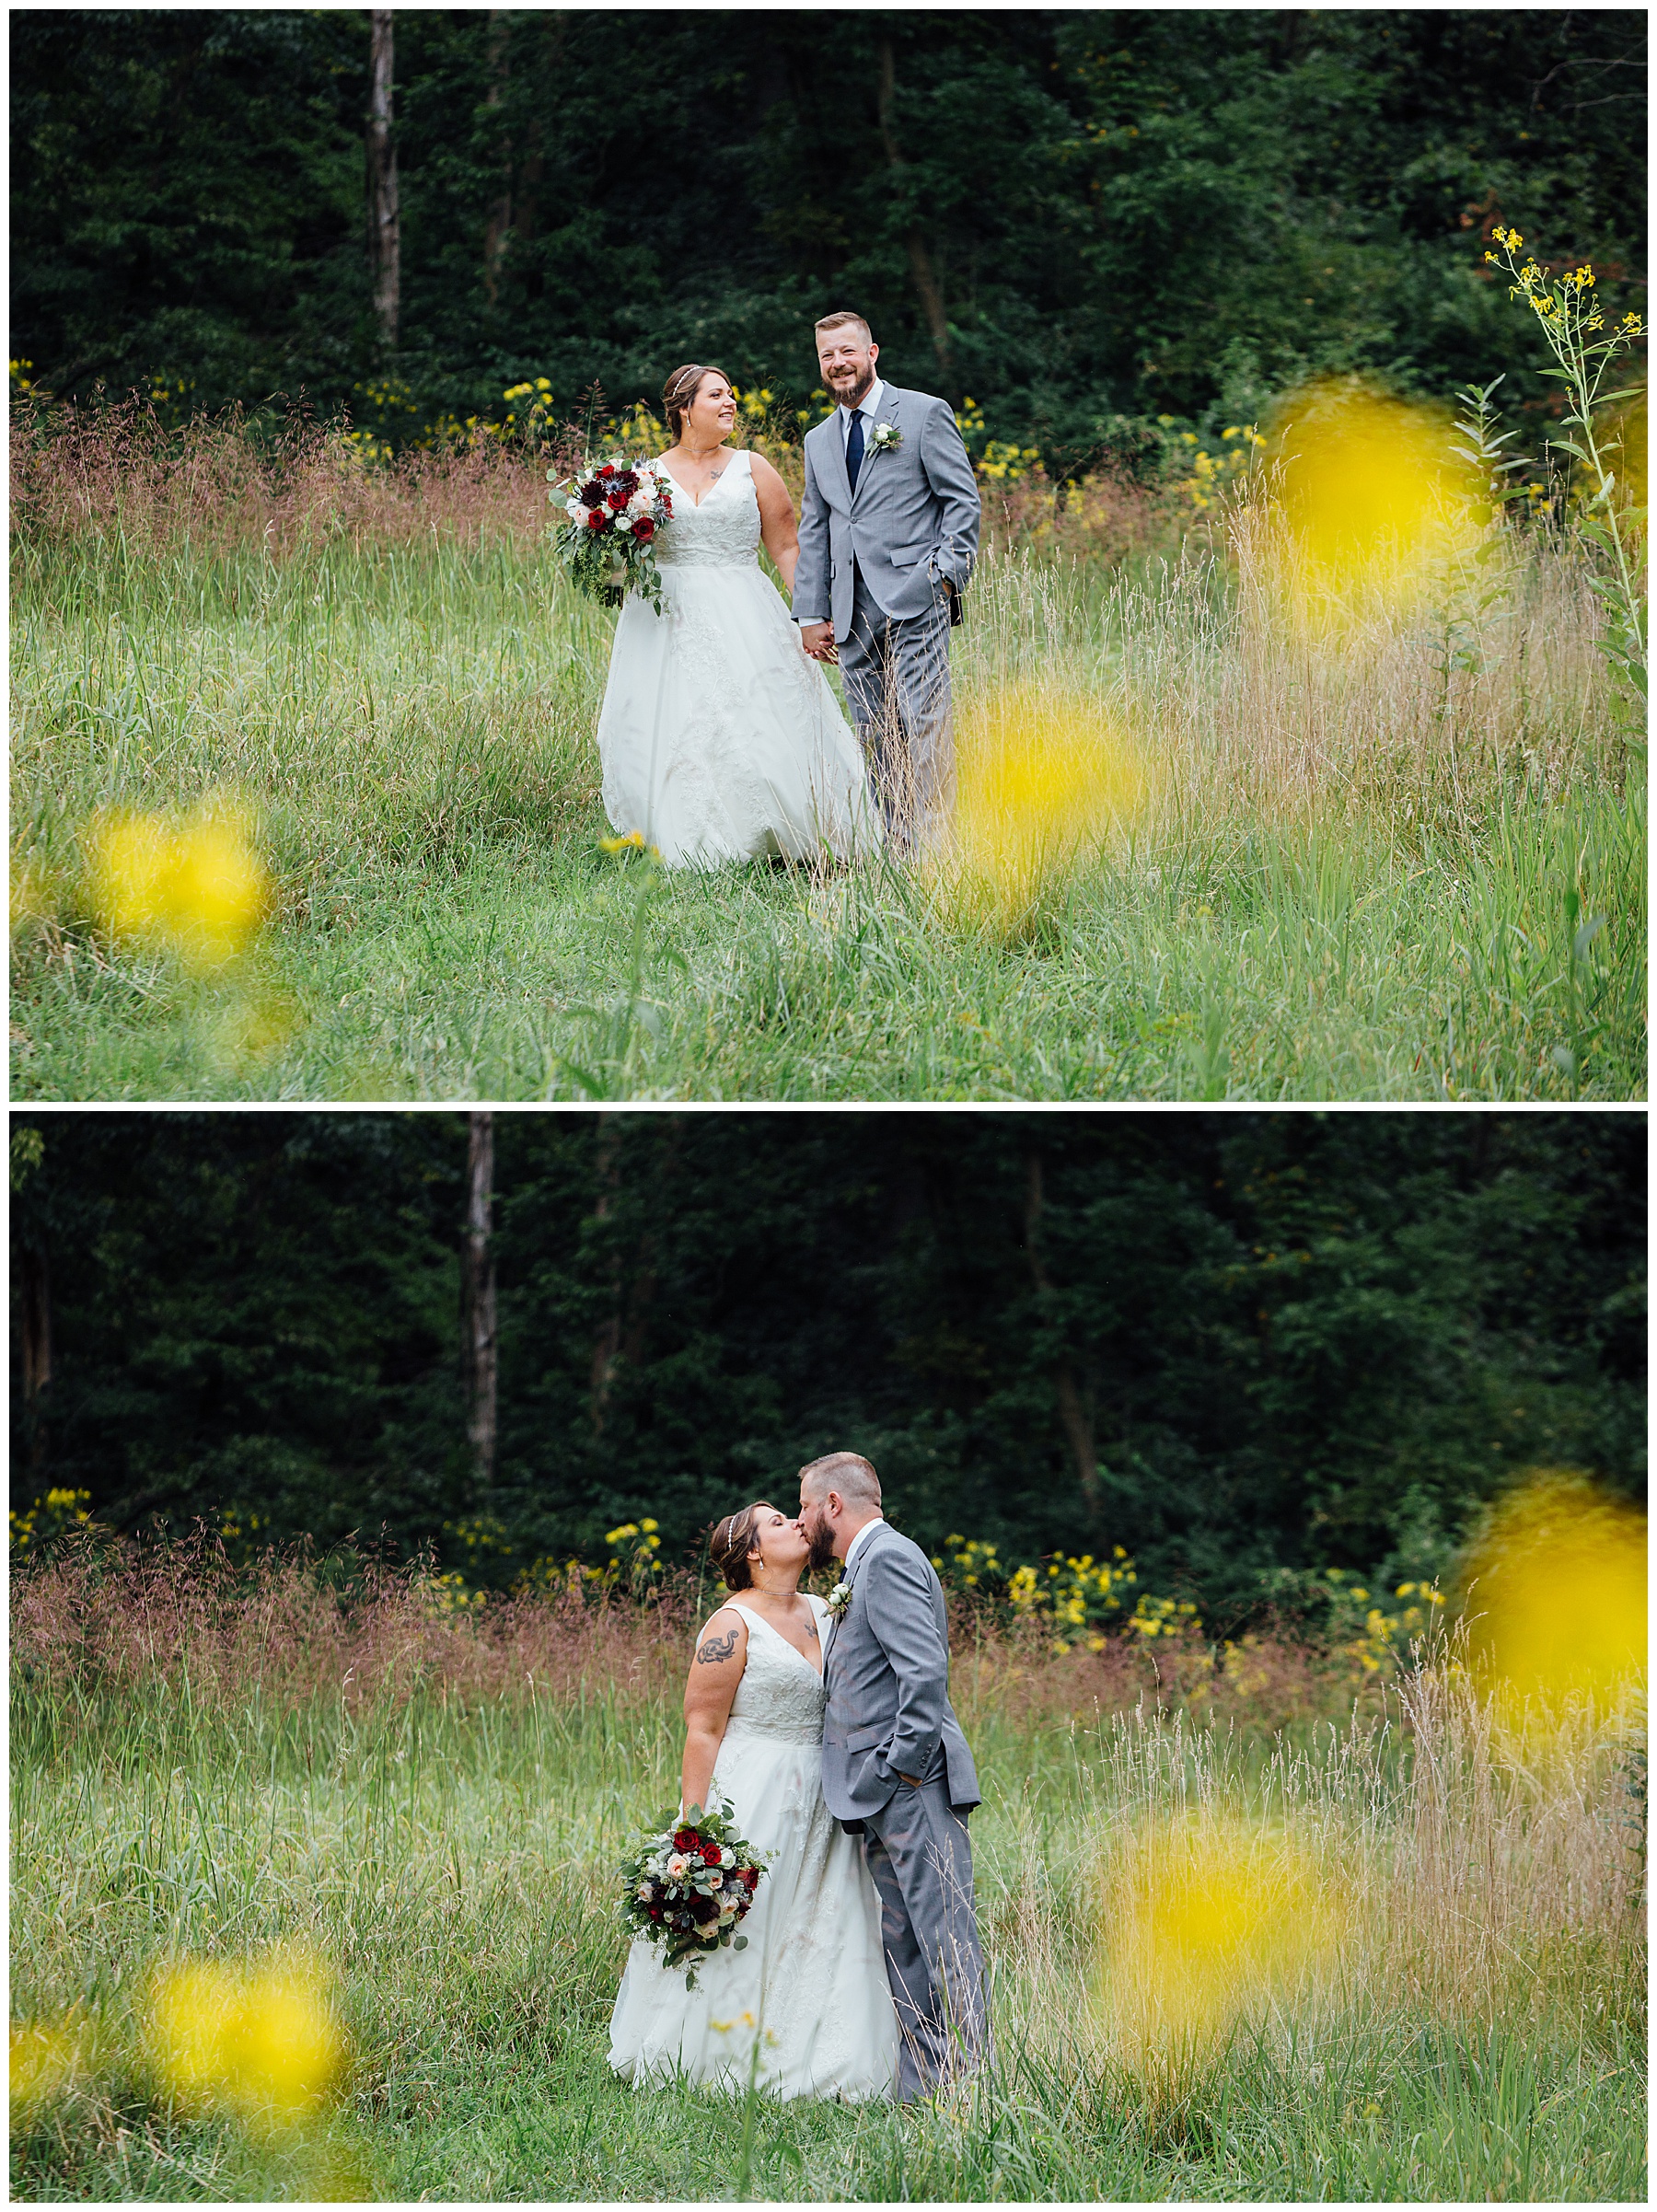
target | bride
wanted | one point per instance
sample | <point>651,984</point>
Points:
<point>810,1990</point>
<point>719,739</point>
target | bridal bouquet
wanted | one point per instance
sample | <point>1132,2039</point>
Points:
<point>606,534</point>
<point>689,1887</point>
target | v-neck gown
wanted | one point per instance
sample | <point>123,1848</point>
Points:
<point>719,740</point>
<point>811,1986</point>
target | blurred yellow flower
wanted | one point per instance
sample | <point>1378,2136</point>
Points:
<point>1374,498</point>
<point>261,2039</point>
<point>197,887</point>
<point>1041,781</point>
<point>1556,1596</point>
<point>45,2061</point>
<point>1211,1920</point>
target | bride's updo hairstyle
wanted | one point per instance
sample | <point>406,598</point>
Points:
<point>678,393</point>
<point>732,1544</point>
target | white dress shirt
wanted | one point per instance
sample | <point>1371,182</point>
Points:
<point>867,407</point>
<point>878,1522</point>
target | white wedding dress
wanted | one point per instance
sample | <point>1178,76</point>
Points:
<point>811,1988</point>
<point>719,740</point>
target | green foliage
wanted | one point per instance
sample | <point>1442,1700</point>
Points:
<point>1295,1341</point>
<point>1188,207</point>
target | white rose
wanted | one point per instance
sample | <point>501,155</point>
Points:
<point>727,1857</point>
<point>676,1866</point>
<point>646,1891</point>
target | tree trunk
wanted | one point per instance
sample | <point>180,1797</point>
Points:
<point>607,1339</point>
<point>35,1288</point>
<point>921,268</point>
<point>1073,1413</point>
<point>385,234</point>
<point>477,1298</point>
<point>500,213</point>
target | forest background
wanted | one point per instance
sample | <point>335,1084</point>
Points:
<point>1081,219</point>
<point>1242,1347</point>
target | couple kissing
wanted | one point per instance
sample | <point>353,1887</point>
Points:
<point>827,1725</point>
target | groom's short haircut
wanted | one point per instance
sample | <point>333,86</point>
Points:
<point>834,322</point>
<point>846,1472</point>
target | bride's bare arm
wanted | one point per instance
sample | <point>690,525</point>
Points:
<point>777,525</point>
<point>721,1655</point>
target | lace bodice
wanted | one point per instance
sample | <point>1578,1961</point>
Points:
<point>724,532</point>
<point>780,1692</point>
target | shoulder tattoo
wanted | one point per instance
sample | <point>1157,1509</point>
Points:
<point>712,1649</point>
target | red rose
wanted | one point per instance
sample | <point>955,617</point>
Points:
<point>710,1855</point>
<point>643,529</point>
<point>597,519</point>
<point>685,1839</point>
<point>752,1876</point>
<point>618,499</point>
<point>609,469</point>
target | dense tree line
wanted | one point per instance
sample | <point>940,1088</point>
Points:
<point>1071,215</point>
<point>1229,1342</point>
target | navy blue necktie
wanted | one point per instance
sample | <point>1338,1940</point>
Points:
<point>854,448</point>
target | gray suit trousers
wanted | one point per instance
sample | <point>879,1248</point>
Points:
<point>897,676</point>
<point>917,1851</point>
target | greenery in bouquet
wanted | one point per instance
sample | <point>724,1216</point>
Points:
<point>689,1886</point>
<point>608,528</point>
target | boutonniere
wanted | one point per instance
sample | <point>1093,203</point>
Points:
<point>839,1598</point>
<point>887,437</point>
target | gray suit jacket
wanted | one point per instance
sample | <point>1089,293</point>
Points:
<point>887,1668</point>
<point>913,521</point>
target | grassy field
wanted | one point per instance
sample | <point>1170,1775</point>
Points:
<point>1402,861</point>
<point>434,1804</point>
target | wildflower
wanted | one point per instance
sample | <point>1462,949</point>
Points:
<point>200,889</point>
<point>44,2063</point>
<point>262,2040</point>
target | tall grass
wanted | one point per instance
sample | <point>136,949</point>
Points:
<point>1405,862</point>
<point>435,1801</point>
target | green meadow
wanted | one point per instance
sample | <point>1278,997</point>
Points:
<point>432,1803</point>
<point>1401,857</point>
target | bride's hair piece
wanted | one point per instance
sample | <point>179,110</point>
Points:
<point>731,1544</point>
<point>847,1472</point>
<point>680,390</point>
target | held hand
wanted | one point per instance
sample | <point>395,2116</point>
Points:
<point>817,638</point>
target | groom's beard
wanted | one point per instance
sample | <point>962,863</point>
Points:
<point>822,1548</point>
<point>849,399</point>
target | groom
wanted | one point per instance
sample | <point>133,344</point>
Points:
<point>889,533</point>
<point>896,1764</point>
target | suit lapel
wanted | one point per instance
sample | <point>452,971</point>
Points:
<point>889,413</point>
<point>834,463</point>
<point>848,1575</point>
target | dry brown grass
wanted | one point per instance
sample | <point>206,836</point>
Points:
<point>83,472</point>
<point>220,482</point>
<point>110,1616</point>
<point>106,1615</point>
